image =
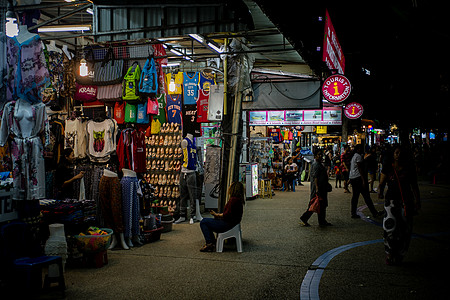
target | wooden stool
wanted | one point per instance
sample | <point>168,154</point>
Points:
<point>265,188</point>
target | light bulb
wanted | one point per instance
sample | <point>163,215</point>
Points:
<point>11,28</point>
<point>172,86</point>
<point>83,67</point>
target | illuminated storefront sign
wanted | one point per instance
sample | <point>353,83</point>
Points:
<point>332,52</point>
<point>336,88</point>
<point>326,116</point>
<point>353,110</point>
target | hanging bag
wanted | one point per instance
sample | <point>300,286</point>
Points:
<point>142,116</point>
<point>131,82</point>
<point>130,113</point>
<point>152,106</point>
<point>148,82</point>
<point>85,93</point>
<point>119,112</point>
<point>109,70</point>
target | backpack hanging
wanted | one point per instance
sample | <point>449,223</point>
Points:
<point>119,112</point>
<point>131,82</point>
<point>142,116</point>
<point>130,113</point>
<point>148,83</point>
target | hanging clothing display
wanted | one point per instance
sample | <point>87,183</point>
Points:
<point>55,145</point>
<point>177,79</point>
<point>162,109</point>
<point>206,80</point>
<point>190,87</point>
<point>174,109</point>
<point>27,68</point>
<point>139,155</point>
<point>124,151</point>
<point>101,139</point>
<point>26,123</point>
<point>75,137</point>
<point>190,124</point>
<point>202,106</point>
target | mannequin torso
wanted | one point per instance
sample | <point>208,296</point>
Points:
<point>128,173</point>
<point>109,173</point>
<point>25,117</point>
<point>24,34</point>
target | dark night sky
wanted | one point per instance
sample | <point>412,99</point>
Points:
<point>405,46</point>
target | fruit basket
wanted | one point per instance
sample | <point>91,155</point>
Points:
<point>93,243</point>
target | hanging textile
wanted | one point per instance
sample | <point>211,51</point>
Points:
<point>26,123</point>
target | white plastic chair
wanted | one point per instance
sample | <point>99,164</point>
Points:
<point>235,232</point>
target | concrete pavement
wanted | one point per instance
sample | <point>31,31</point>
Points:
<point>281,259</point>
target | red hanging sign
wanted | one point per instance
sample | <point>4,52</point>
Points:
<point>353,110</point>
<point>336,88</point>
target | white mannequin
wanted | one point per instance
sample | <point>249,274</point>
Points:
<point>24,34</point>
<point>52,47</point>
<point>65,49</point>
<point>108,173</point>
<point>25,116</point>
<point>128,173</point>
<point>198,215</point>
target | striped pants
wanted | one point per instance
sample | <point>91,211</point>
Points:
<point>130,205</point>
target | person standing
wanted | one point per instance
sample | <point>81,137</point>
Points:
<point>402,201</point>
<point>319,187</point>
<point>290,171</point>
<point>64,178</point>
<point>346,157</point>
<point>359,183</point>
<point>298,159</point>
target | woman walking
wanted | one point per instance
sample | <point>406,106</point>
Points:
<point>402,201</point>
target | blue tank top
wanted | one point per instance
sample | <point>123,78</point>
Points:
<point>190,91</point>
<point>190,155</point>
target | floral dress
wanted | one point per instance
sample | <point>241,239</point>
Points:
<point>26,147</point>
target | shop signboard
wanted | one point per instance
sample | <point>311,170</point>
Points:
<point>336,88</point>
<point>332,51</point>
<point>326,116</point>
<point>353,110</point>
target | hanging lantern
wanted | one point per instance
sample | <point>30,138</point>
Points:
<point>83,67</point>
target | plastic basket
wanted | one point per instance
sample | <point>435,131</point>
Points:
<point>94,243</point>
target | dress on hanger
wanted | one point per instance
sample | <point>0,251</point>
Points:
<point>27,69</point>
<point>26,146</point>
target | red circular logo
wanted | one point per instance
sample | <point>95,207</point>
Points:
<point>336,88</point>
<point>353,110</point>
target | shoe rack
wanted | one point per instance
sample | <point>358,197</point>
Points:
<point>164,159</point>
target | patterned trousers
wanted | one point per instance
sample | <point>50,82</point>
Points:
<point>130,205</point>
<point>110,198</point>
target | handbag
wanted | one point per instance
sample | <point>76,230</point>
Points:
<point>85,93</point>
<point>109,70</point>
<point>314,204</point>
<point>152,106</point>
<point>109,93</point>
<point>119,112</point>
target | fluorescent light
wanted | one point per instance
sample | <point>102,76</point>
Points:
<point>64,28</point>
<point>214,47</point>
<point>197,37</point>
<point>90,11</point>
<point>174,64</point>
<point>174,51</point>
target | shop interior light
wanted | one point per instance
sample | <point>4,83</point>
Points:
<point>12,29</point>
<point>197,37</point>
<point>172,86</point>
<point>83,68</point>
<point>214,47</point>
<point>64,28</point>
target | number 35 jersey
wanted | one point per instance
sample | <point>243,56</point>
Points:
<point>190,90</point>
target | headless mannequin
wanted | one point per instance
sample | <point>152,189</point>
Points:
<point>135,238</point>
<point>121,237</point>
<point>24,34</point>
<point>184,171</point>
<point>25,117</point>
<point>52,47</point>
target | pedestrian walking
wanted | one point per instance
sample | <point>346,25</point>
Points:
<point>359,183</point>
<point>298,159</point>
<point>371,164</point>
<point>338,173</point>
<point>319,187</point>
<point>402,202</point>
